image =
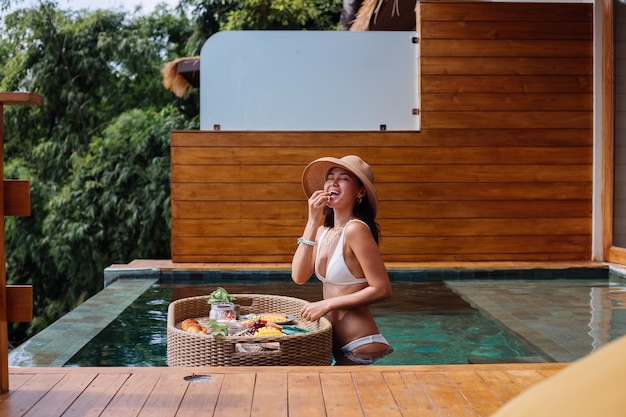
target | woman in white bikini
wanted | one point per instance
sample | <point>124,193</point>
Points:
<point>343,253</point>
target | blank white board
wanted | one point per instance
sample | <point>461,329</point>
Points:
<point>309,80</point>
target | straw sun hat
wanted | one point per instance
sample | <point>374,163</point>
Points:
<point>314,175</point>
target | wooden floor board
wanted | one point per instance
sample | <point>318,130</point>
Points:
<point>504,382</point>
<point>305,395</point>
<point>476,391</point>
<point>132,396</point>
<point>410,394</point>
<point>165,397</point>
<point>375,396</point>
<point>340,395</point>
<point>97,396</point>
<point>236,395</point>
<point>427,391</point>
<point>201,397</point>
<point>61,396</point>
<point>448,399</point>
<point>18,402</point>
<point>270,395</point>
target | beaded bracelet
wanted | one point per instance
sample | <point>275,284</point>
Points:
<point>306,242</point>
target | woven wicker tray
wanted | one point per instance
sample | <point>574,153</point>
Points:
<point>191,349</point>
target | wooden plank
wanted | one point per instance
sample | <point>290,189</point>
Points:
<point>305,396</point>
<point>252,227</point>
<point>20,98</point>
<point>498,119</point>
<point>529,377</point>
<point>95,398</point>
<point>376,398</point>
<point>444,65</point>
<point>445,395</point>
<point>201,396</point>
<point>17,403</point>
<point>166,396</point>
<point>270,395</point>
<point>513,209</point>
<point>505,384</point>
<point>403,173</point>
<point>59,398</point>
<point>131,397</point>
<point>19,303</point>
<point>16,382</point>
<point>393,192</point>
<point>506,12</point>
<point>237,227</point>
<point>436,155</point>
<point>235,399</point>
<point>506,102</point>
<point>506,48</point>
<point>333,143</point>
<point>519,84</point>
<point>16,198</point>
<point>409,394</point>
<point>483,399</point>
<point>340,395</point>
<point>582,255</point>
<point>392,246</point>
<point>489,227</point>
<point>234,209</point>
<point>4,327</point>
<point>564,30</point>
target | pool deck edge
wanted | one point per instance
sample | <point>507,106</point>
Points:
<point>60,341</point>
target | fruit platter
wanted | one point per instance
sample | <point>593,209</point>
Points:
<point>270,324</point>
<point>223,320</point>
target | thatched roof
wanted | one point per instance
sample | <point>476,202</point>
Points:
<point>382,15</point>
<point>182,75</point>
<point>364,16</point>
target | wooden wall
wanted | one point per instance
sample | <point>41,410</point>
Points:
<point>500,171</point>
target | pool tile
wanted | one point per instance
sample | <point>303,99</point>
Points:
<point>57,343</point>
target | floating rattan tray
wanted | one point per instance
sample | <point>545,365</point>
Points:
<point>192,349</point>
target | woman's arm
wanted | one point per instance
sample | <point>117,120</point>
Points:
<point>303,263</point>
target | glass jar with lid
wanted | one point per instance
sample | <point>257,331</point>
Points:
<point>222,312</point>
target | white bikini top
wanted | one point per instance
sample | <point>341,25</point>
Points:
<point>337,271</point>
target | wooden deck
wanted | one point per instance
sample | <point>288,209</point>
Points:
<point>439,390</point>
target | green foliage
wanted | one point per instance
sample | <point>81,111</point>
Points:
<point>212,16</point>
<point>281,14</point>
<point>96,152</point>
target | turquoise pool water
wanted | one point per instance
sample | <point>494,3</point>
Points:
<point>425,322</point>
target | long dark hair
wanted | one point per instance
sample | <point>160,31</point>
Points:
<point>362,211</point>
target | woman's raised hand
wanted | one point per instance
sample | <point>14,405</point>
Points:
<point>317,202</point>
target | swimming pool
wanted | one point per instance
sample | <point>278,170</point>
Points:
<point>426,323</point>
<point>563,313</point>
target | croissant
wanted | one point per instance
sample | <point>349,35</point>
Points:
<point>188,322</point>
<point>195,328</point>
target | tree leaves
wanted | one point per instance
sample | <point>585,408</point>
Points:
<point>96,152</point>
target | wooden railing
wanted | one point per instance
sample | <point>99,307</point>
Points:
<point>16,301</point>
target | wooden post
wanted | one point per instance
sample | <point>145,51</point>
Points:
<point>8,307</point>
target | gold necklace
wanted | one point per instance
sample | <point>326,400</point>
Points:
<point>332,235</point>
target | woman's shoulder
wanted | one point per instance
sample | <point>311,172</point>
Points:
<point>359,222</point>
<point>356,226</point>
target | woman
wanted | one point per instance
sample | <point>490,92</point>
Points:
<point>343,253</point>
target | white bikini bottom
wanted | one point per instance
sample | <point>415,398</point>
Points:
<point>365,340</point>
